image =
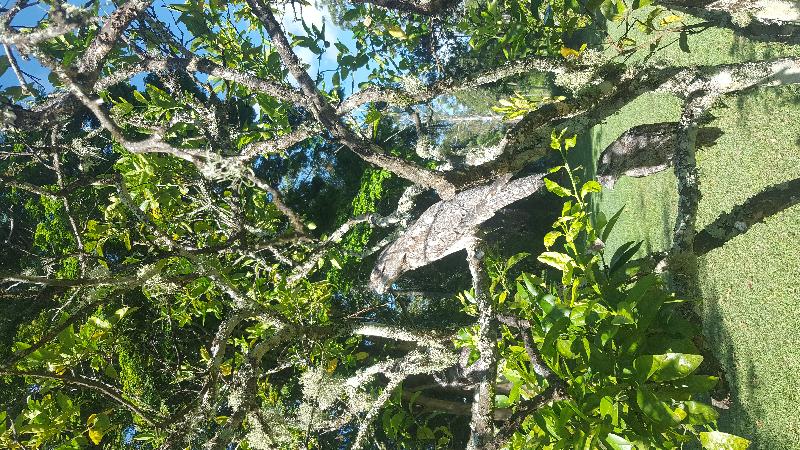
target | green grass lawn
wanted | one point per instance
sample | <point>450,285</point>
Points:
<point>750,286</point>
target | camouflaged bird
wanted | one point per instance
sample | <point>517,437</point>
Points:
<point>447,227</point>
<point>639,152</point>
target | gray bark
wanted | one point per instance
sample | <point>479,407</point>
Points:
<point>447,227</point>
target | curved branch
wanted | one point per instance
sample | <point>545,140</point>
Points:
<point>89,383</point>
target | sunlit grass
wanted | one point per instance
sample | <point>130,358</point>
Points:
<point>750,285</point>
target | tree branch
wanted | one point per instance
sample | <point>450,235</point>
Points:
<point>294,219</point>
<point>89,64</point>
<point>208,67</point>
<point>523,410</point>
<point>424,7</point>
<point>89,383</point>
<point>52,334</point>
<point>328,117</point>
<point>769,21</point>
<point>12,61</point>
<point>420,94</point>
<point>482,425</point>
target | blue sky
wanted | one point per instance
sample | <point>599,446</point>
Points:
<point>311,14</point>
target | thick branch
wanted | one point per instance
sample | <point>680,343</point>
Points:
<point>446,227</point>
<point>687,176</point>
<point>769,21</point>
<point>640,151</point>
<point>95,54</point>
<point>482,425</point>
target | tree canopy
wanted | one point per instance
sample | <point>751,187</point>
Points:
<point>243,224</point>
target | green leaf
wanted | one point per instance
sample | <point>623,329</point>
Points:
<point>550,238</point>
<point>621,7</point>
<point>617,442</point>
<point>98,426</point>
<point>654,408</point>
<point>67,337</point>
<point>570,142</point>
<point>397,420</point>
<point>590,186</point>
<point>100,323</point>
<point>696,384</point>
<point>204,355</point>
<point>547,303</point>
<point>717,440</point>
<point>4,64</point>
<point>397,32</point>
<point>548,346</point>
<point>623,254</point>
<point>555,140</point>
<point>64,402</point>
<point>557,189</point>
<point>180,7</point>
<point>700,413</point>
<point>640,288</point>
<point>610,225</point>
<point>515,259</point>
<point>425,433</point>
<point>666,367</point>
<point>565,348</point>
<point>560,261</point>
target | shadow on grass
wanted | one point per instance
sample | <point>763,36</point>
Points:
<point>738,392</point>
<point>768,202</point>
<point>739,381</point>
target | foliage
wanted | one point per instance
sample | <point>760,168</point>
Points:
<point>196,241</point>
<point>611,331</point>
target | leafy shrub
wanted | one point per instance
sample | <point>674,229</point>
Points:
<point>612,338</point>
